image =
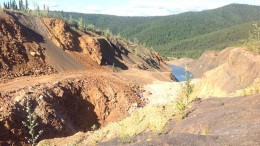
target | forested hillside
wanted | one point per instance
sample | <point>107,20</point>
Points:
<point>187,34</point>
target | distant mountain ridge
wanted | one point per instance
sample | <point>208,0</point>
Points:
<point>187,34</point>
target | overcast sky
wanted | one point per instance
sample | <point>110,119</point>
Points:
<point>138,7</point>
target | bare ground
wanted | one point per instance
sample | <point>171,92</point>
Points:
<point>226,121</point>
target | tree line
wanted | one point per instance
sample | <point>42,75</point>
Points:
<point>12,4</point>
<point>23,5</point>
<point>184,35</point>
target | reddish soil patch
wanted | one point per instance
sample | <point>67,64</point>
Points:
<point>74,99</point>
<point>19,55</point>
<point>66,107</point>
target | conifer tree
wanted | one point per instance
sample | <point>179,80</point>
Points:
<point>72,22</point>
<point>8,5</point>
<point>81,24</point>
<point>21,5</point>
<point>48,10</point>
<point>5,6</point>
<point>38,9</point>
<point>26,5</point>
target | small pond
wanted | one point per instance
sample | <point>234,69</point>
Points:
<point>179,73</point>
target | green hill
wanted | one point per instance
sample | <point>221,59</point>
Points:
<point>187,34</point>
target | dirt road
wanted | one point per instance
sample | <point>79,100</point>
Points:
<point>22,82</point>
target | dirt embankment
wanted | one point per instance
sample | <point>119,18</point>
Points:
<point>103,51</point>
<point>68,106</point>
<point>55,56</point>
<point>46,45</point>
<point>74,99</point>
<point>92,50</point>
<point>20,53</point>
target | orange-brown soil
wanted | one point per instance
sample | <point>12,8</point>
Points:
<point>20,53</point>
<point>73,78</point>
<point>66,105</point>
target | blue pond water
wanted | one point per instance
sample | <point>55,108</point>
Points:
<point>179,73</point>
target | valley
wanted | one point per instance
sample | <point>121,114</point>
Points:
<point>188,34</point>
<point>86,87</point>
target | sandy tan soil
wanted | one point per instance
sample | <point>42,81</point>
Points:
<point>226,72</point>
<point>215,121</point>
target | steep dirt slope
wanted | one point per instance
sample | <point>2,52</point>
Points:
<point>159,109</point>
<point>20,53</point>
<point>55,56</point>
<point>128,55</point>
<point>103,51</point>
<point>66,49</point>
<point>40,46</point>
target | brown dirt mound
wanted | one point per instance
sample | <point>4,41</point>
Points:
<point>20,55</point>
<point>66,107</point>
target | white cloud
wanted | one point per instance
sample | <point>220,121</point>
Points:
<point>157,7</point>
<point>51,3</point>
<point>137,7</point>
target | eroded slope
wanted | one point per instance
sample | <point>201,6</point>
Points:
<point>20,54</point>
<point>67,106</point>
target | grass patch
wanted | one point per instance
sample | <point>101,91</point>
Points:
<point>185,97</point>
<point>205,131</point>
